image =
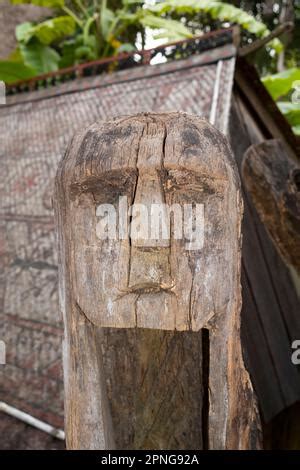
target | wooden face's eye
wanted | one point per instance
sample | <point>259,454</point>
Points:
<point>107,187</point>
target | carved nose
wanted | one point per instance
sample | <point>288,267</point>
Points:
<point>150,233</point>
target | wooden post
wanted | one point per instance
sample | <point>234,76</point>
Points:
<point>152,353</point>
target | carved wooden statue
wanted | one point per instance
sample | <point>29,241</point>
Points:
<point>149,216</point>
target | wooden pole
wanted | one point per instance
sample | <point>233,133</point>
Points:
<point>152,353</point>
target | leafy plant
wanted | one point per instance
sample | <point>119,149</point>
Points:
<point>47,32</point>
<point>85,30</point>
<point>292,114</point>
<point>282,87</point>
<point>280,84</point>
<point>219,10</point>
<point>13,71</point>
<point>80,32</point>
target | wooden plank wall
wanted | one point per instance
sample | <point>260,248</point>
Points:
<point>270,319</point>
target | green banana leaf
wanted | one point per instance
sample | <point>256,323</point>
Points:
<point>48,31</point>
<point>11,72</point>
<point>172,29</point>
<point>42,59</point>
<point>291,112</point>
<point>219,11</point>
<point>24,31</point>
<point>281,83</point>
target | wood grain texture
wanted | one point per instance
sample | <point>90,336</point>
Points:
<point>151,331</point>
<point>273,180</point>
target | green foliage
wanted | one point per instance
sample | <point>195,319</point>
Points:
<point>55,29</point>
<point>41,58</point>
<point>171,29</point>
<point>84,33</point>
<point>48,31</point>
<point>23,31</point>
<point>283,86</point>
<point>291,111</point>
<point>217,10</point>
<point>281,83</point>
<point>41,3</point>
<point>34,56</point>
<point>11,71</point>
<point>107,20</point>
<point>80,49</point>
<point>84,30</point>
<point>126,47</point>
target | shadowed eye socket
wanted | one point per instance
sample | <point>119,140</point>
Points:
<point>107,187</point>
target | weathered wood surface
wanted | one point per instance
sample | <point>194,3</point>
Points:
<point>273,181</point>
<point>153,162</point>
<point>129,382</point>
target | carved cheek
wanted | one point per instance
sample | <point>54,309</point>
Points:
<point>101,267</point>
<point>198,273</point>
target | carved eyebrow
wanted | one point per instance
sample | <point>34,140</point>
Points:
<point>109,184</point>
<point>185,175</point>
<point>182,186</point>
<point>180,181</point>
<point>186,186</point>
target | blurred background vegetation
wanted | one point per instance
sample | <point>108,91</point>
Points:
<point>77,31</point>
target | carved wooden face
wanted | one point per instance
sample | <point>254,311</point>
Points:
<point>124,278</point>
